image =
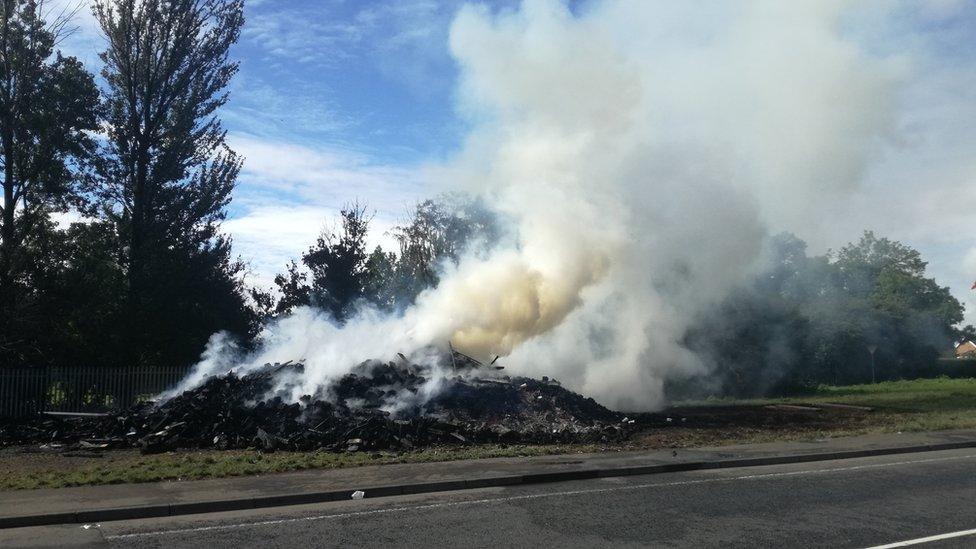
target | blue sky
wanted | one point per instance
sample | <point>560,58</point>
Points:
<point>340,100</point>
<point>369,77</point>
<point>335,101</point>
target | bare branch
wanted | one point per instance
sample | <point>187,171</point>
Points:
<point>61,25</point>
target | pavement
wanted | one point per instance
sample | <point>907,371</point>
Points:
<point>134,501</point>
<point>924,499</point>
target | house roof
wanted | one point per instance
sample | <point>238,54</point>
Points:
<point>965,348</point>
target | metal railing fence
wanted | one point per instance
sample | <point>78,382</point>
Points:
<point>28,391</point>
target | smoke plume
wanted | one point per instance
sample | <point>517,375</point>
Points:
<point>643,150</point>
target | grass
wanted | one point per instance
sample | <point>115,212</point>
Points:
<point>917,405</point>
<point>899,406</point>
<point>920,405</point>
<point>20,471</point>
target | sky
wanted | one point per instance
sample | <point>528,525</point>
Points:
<point>343,100</point>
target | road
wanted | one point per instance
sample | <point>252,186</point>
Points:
<point>851,503</point>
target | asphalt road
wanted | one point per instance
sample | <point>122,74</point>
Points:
<point>852,503</point>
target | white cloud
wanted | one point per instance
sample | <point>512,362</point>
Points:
<point>318,174</point>
<point>289,192</point>
<point>405,40</point>
<point>301,35</point>
<point>258,107</point>
<point>270,236</point>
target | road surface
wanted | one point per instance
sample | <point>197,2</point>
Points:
<point>864,502</point>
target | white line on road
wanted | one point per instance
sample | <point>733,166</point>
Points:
<point>526,497</point>
<point>930,539</point>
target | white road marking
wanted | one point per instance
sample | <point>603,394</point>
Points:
<point>527,497</point>
<point>930,539</point>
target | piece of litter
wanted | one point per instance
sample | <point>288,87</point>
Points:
<point>90,526</point>
<point>358,494</point>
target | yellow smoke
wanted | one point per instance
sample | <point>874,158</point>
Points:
<point>490,308</point>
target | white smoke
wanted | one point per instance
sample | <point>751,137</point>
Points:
<point>641,148</point>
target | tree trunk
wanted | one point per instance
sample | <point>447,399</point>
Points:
<point>137,236</point>
<point>7,232</point>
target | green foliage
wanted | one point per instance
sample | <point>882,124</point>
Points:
<point>381,269</point>
<point>78,293</point>
<point>337,264</point>
<point>122,467</point>
<point>337,268</point>
<point>340,277</point>
<point>812,320</point>
<point>166,175</point>
<point>439,231</point>
<point>148,277</point>
<point>48,104</point>
<point>294,290</point>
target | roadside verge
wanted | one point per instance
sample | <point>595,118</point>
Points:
<point>133,501</point>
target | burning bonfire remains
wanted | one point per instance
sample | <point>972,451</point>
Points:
<point>397,405</point>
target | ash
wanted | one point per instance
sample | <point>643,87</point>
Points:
<point>377,406</point>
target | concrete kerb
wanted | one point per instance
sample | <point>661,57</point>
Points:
<point>175,509</point>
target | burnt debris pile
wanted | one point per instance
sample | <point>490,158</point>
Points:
<point>378,406</point>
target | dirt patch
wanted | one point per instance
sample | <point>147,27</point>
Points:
<point>683,427</point>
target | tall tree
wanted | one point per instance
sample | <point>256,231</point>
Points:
<point>861,263</point>
<point>440,230</point>
<point>337,263</point>
<point>76,286</point>
<point>810,320</point>
<point>167,173</point>
<point>48,106</point>
<point>337,269</point>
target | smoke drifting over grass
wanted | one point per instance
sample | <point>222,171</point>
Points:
<point>643,151</point>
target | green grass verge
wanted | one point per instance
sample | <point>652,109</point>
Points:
<point>916,405</point>
<point>31,470</point>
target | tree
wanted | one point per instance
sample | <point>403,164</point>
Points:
<point>340,276</point>
<point>440,230</point>
<point>337,269</point>
<point>48,106</point>
<point>294,290</point>
<point>167,174</point>
<point>380,287</point>
<point>808,320</point>
<point>881,253</point>
<point>337,264</point>
<point>860,264</point>
<point>76,289</point>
